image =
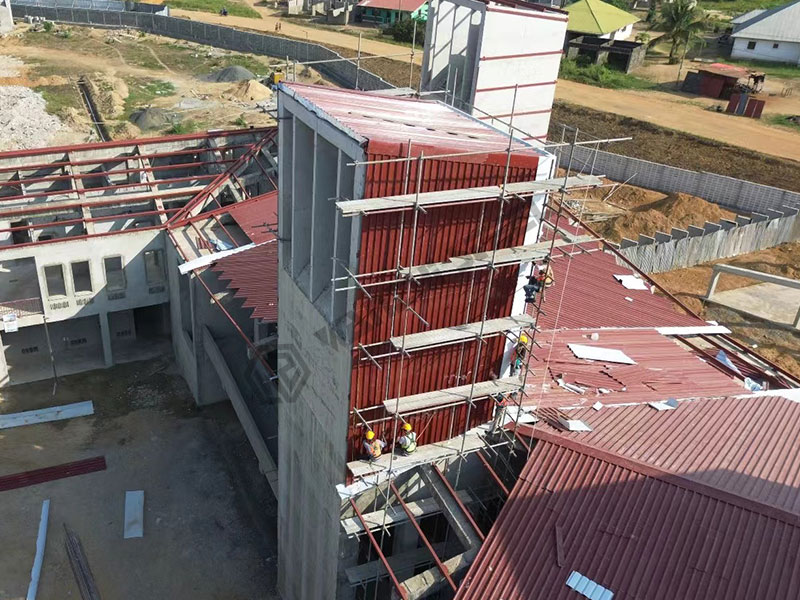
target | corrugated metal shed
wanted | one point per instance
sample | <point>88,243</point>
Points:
<point>664,370</point>
<point>586,296</point>
<point>743,445</point>
<point>636,530</point>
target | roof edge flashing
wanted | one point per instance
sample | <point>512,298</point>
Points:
<point>316,110</point>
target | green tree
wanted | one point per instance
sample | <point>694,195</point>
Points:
<point>684,23</point>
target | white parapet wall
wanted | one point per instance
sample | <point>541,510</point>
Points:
<point>482,55</point>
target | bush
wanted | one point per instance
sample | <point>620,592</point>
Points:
<point>403,31</point>
<point>48,26</point>
<point>601,76</point>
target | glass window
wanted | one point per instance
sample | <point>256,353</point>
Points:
<point>751,45</point>
<point>81,277</point>
<point>154,267</point>
<point>775,45</point>
<point>54,277</point>
<point>115,276</point>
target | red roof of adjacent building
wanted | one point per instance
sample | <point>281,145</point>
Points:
<point>664,369</point>
<point>587,296</point>
<point>638,531</point>
<point>401,5</point>
<point>253,273</point>
<point>745,446</point>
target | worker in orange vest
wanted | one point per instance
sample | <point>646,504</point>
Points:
<point>520,352</point>
<point>373,446</point>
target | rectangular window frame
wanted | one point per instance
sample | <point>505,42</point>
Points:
<point>47,283</point>
<point>75,289</point>
<point>163,270</point>
<point>751,45</point>
<point>109,287</point>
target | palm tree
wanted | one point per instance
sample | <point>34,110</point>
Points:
<point>684,23</point>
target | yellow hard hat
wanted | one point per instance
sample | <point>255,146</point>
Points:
<point>370,435</point>
<point>523,339</point>
<point>407,426</point>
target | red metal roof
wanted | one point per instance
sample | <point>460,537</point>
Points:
<point>743,445</point>
<point>664,370</point>
<point>387,123</point>
<point>636,530</point>
<point>725,70</point>
<point>402,5</point>
<point>253,273</point>
<point>595,299</point>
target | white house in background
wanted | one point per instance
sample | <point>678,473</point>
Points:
<point>771,35</point>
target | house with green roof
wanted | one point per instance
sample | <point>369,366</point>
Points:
<point>600,19</point>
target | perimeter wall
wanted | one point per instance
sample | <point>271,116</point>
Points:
<point>118,15</point>
<point>736,194</point>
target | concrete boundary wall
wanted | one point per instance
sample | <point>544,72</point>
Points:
<point>737,194</point>
<point>344,72</point>
<point>685,248</point>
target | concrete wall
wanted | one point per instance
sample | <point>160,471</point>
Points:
<point>737,194</point>
<point>681,249</point>
<point>312,417</point>
<point>343,72</point>
<point>6,18</point>
<point>788,52</point>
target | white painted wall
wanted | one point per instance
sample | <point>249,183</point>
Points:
<point>787,52</point>
<point>6,19</point>
<point>130,246</point>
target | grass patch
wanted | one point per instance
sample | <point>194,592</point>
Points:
<point>737,7</point>
<point>144,91</point>
<point>602,76</point>
<point>235,9</point>
<point>187,126</point>
<point>784,121</point>
<point>782,71</point>
<point>59,98</point>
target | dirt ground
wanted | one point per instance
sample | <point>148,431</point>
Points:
<point>210,517</point>
<point>670,111</point>
<point>672,147</point>
<point>690,285</point>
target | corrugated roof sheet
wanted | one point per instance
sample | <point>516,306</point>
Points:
<point>744,445</point>
<point>388,123</point>
<point>586,295</point>
<point>780,24</point>
<point>253,273</point>
<point>663,370</point>
<point>637,531</point>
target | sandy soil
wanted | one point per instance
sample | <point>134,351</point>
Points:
<point>672,111</point>
<point>210,519</point>
<point>270,16</point>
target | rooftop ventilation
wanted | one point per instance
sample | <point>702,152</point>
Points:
<point>573,424</point>
<point>586,587</point>
<point>670,404</point>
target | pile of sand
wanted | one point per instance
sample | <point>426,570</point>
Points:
<point>230,74</point>
<point>676,210</point>
<point>250,91</point>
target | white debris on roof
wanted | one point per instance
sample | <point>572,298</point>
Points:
<point>602,354</point>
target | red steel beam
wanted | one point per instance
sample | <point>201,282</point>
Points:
<point>400,589</point>
<point>26,478</point>
<point>85,236</point>
<point>105,188</point>
<point>146,213</point>
<point>139,142</point>
<point>439,564</point>
<point>492,472</point>
<point>459,502</point>
<point>93,175</point>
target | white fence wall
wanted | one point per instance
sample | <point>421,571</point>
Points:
<point>736,194</point>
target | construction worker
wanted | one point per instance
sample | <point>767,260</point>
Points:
<point>546,276</point>
<point>408,443</point>
<point>373,446</point>
<point>520,352</point>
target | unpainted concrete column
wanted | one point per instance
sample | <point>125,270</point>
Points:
<point>6,19</point>
<point>3,365</point>
<point>105,334</point>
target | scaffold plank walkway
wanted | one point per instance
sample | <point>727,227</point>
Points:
<point>461,333</point>
<point>452,395</point>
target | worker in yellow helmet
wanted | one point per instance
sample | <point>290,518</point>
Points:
<point>408,442</point>
<point>373,446</point>
<point>520,353</point>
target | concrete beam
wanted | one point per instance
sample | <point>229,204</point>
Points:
<point>458,521</point>
<point>432,580</point>
<point>757,275</point>
<point>403,561</point>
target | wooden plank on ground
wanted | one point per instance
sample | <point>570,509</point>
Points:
<point>45,415</point>
<point>134,514</point>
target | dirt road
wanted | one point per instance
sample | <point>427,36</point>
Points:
<point>671,111</point>
<point>314,34</point>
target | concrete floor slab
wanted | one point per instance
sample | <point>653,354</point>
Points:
<point>209,518</point>
<point>768,301</point>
